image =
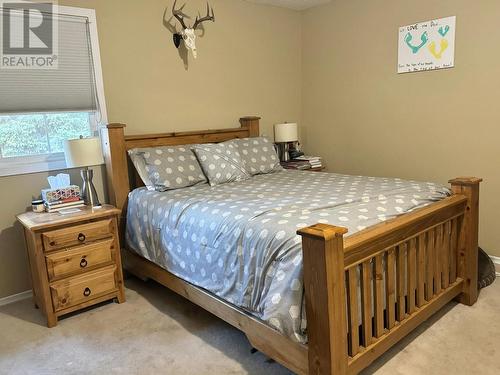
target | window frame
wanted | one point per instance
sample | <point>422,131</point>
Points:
<point>55,161</point>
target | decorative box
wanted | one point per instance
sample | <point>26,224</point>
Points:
<point>61,194</point>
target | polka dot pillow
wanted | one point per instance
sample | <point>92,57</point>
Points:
<point>258,154</point>
<point>172,167</point>
<point>140,165</point>
<point>221,163</point>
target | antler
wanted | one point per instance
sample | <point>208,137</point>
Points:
<point>208,17</point>
<point>179,14</point>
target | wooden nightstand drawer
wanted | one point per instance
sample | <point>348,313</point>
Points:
<point>77,235</point>
<point>79,259</point>
<point>79,289</point>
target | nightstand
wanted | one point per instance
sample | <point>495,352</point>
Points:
<point>74,259</point>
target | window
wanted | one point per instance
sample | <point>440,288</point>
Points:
<point>42,133</point>
<point>41,108</point>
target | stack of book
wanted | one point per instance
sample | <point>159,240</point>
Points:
<point>63,204</point>
<point>296,164</point>
<point>313,161</point>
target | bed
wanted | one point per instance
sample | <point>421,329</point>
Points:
<point>318,298</point>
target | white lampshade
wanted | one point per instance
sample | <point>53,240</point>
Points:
<point>83,152</point>
<point>285,133</point>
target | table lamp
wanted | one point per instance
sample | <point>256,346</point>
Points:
<point>85,152</point>
<point>283,135</point>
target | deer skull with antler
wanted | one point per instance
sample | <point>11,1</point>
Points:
<point>188,33</point>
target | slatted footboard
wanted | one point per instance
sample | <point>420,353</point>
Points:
<point>366,293</point>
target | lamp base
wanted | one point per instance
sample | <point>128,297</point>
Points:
<point>89,193</point>
<point>284,151</point>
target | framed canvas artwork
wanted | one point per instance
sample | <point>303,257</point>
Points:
<point>427,45</point>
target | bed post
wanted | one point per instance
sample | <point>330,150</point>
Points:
<point>115,157</point>
<point>252,124</point>
<point>468,247</point>
<point>324,284</point>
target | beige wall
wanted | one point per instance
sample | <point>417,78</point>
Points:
<point>248,64</point>
<point>366,119</point>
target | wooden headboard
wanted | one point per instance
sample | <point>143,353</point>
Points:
<point>122,177</point>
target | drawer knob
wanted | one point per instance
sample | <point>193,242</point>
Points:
<point>81,237</point>
<point>87,292</point>
<point>83,263</point>
<point>52,243</point>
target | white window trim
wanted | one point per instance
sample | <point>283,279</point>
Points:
<point>56,161</point>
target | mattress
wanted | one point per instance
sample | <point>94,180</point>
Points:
<point>239,242</point>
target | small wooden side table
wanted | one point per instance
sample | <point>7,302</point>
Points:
<point>74,259</point>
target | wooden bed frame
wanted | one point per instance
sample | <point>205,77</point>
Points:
<point>417,262</point>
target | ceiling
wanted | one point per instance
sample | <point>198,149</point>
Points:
<point>292,4</point>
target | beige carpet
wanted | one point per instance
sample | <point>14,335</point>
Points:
<point>157,332</point>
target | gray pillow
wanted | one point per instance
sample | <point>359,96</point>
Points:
<point>140,166</point>
<point>172,167</point>
<point>258,154</point>
<point>221,163</point>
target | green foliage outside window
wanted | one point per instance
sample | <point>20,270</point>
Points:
<point>41,133</point>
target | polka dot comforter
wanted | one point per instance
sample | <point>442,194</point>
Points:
<point>238,240</point>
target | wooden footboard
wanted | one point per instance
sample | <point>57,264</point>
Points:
<point>365,293</point>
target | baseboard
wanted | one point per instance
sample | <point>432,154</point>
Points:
<point>496,262</point>
<point>15,297</point>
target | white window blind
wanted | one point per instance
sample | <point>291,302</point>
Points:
<point>69,87</point>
